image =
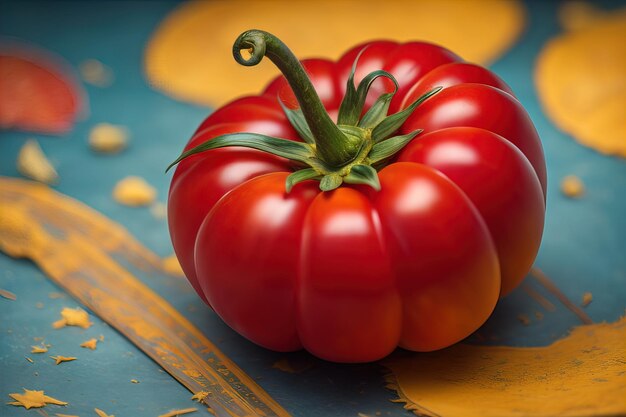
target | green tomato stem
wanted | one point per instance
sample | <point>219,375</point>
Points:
<point>332,146</point>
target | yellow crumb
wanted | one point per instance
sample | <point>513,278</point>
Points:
<point>172,266</point>
<point>101,338</point>
<point>101,413</point>
<point>523,318</point>
<point>29,359</point>
<point>587,299</point>
<point>96,73</point>
<point>65,415</point>
<point>158,210</point>
<point>33,399</point>
<point>108,138</point>
<point>200,396</point>
<point>32,163</point>
<point>90,344</point>
<point>134,191</point>
<point>8,295</point>
<point>134,381</point>
<point>175,413</point>
<point>55,295</point>
<point>572,186</point>
<point>73,317</point>
<point>293,366</point>
<point>60,359</point>
<point>39,349</point>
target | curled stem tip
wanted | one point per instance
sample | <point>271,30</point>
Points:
<point>253,41</point>
<point>333,146</point>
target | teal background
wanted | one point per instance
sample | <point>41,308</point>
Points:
<point>583,247</point>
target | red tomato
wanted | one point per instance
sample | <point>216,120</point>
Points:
<point>38,93</point>
<point>351,274</point>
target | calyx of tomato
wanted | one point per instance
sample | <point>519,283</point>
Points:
<point>350,151</point>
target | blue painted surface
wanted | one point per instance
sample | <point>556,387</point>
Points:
<point>583,247</point>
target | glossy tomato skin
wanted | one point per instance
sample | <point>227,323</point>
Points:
<point>353,273</point>
<point>501,184</point>
<point>482,106</point>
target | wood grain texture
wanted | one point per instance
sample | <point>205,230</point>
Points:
<point>77,248</point>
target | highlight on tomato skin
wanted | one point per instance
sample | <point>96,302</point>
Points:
<point>385,200</point>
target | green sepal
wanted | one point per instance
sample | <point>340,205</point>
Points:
<point>377,112</point>
<point>297,120</point>
<point>387,148</point>
<point>353,112</point>
<point>351,130</point>
<point>392,123</point>
<point>330,182</point>
<point>299,176</point>
<point>295,151</point>
<point>363,174</point>
<point>349,99</point>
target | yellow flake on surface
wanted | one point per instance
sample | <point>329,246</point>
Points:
<point>90,344</point>
<point>580,77</point>
<point>108,138</point>
<point>158,210</point>
<point>178,62</point>
<point>587,299</point>
<point>33,214</point>
<point>33,163</point>
<point>134,381</point>
<point>65,415</point>
<point>172,266</point>
<point>29,359</point>
<point>8,295</point>
<point>101,413</point>
<point>523,318</point>
<point>572,186</point>
<point>33,399</point>
<point>292,366</point>
<point>60,359</point>
<point>200,396</point>
<point>96,73</point>
<point>134,191</point>
<point>581,375</point>
<point>101,338</point>
<point>73,317</point>
<point>43,348</point>
<point>175,413</point>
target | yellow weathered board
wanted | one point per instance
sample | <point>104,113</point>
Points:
<point>581,78</point>
<point>583,374</point>
<point>79,249</point>
<point>189,56</point>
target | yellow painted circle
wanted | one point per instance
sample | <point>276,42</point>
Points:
<point>581,81</point>
<point>189,56</point>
